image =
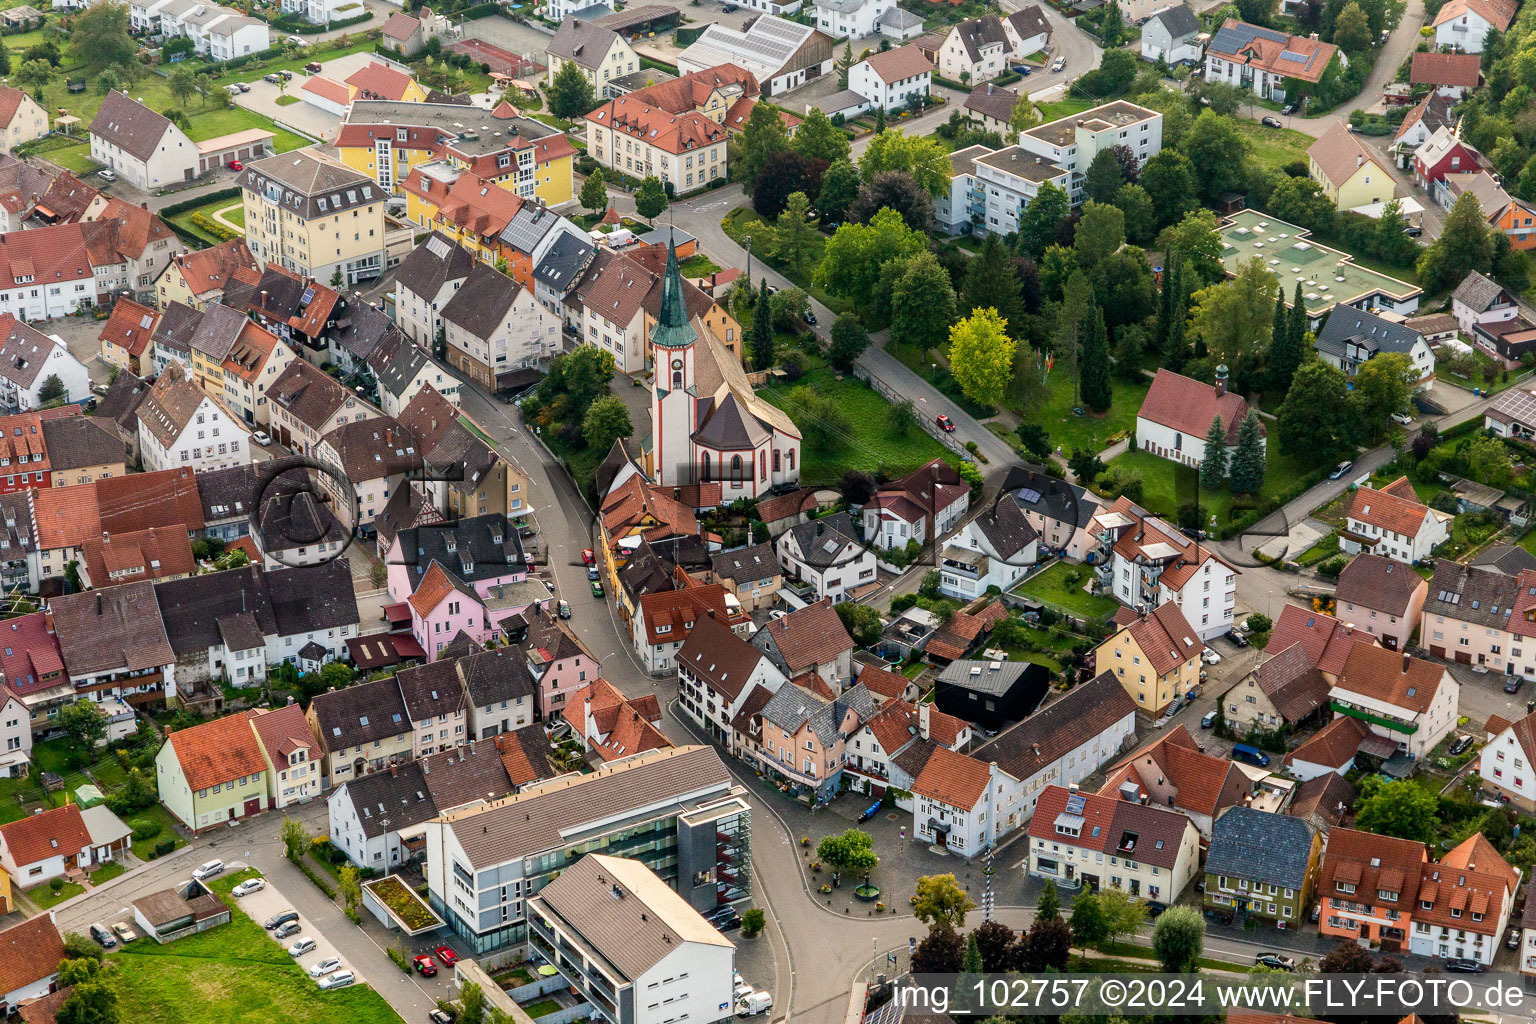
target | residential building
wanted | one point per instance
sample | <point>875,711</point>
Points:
<point>1333,748</point>
<point>389,140</point>
<point>991,107</point>
<point>1428,115</point>
<point>64,518</point>
<point>1283,690</point>
<point>140,144</point>
<point>807,641</point>
<point>611,726</point>
<point>467,578</point>
<point>891,748</point>
<point>306,404</point>
<point>1078,839</point>
<point>1145,562</point>
<point>15,731</point>
<point>662,621</point>
<point>1463,25</point>
<point>1172,36</point>
<point>199,277</point>
<point>361,729</point>
<point>29,968</point>
<point>1411,702</point>
<point>1511,216</point>
<point>1262,59</point>
<point>781,54</point>
<point>974,51</point>
<point>958,803</point>
<point>299,210</point>
<point>291,754</point>
<point>677,809</point>
<point>924,505</point>
<point>1367,884</point>
<point>599,53</point>
<point>1176,416</point>
<point>804,737</point>
<point>1262,865</point>
<point>466,477</point>
<point>61,841</point>
<point>218,33</point>
<point>717,672</point>
<point>858,19</point>
<point>180,427</point>
<point>827,557</point>
<point>128,248</point>
<point>1322,802</point>
<point>407,35</point>
<point>117,558</point>
<point>22,119</point>
<point>494,325</point>
<point>995,549</point>
<point>1060,512</point>
<point>29,359</point>
<point>893,79</point>
<point>376,457</point>
<point>1065,741</point>
<point>112,646</point>
<point>751,573</point>
<point>499,692</point>
<point>1507,762</point>
<point>1465,903</point>
<point>1452,75</point>
<point>125,336</point>
<point>1350,173</point>
<point>213,773</point>
<point>408,371</point>
<point>1326,640</point>
<point>1473,616</point>
<point>1443,153</point>
<point>1383,597</point>
<point>1393,523</point>
<point>990,693</point>
<point>636,512</point>
<point>558,663</point>
<point>1172,771</point>
<point>1352,337</point>
<point>1156,658</point>
<point>427,279</point>
<point>631,945</point>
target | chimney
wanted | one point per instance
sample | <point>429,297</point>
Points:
<point>1221,380</point>
<point>1359,159</point>
<point>1313,37</point>
<point>924,717</point>
<point>392,771</point>
<point>1407,659</point>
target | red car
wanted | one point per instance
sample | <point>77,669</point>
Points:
<point>587,557</point>
<point>425,966</point>
<point>447,956</point>
<point>946,424</point>
<point>236,165</point>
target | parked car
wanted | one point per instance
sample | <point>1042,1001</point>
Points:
<point>424,966</point>
<point>436,1016</point>
<point>249,886</point>
<point>271,79</point>
<point>262,438</point>
<point>341,979</point>
<point>1237,639</point>
<point>1464,965</point>
<point>1210,657</point>
<point>1275,960</point>
<point>106,174</point>
<point>945,423</point>
<point>304,945</point>
<point>597,588</point>
<point>325,967</point>
<point>312,68</point>
<point>1403,418</point>
<point>1251,754</point>
<point>1513,684</point>
<point>242,87</point>
<point>1059,64</point>
<point>592,572</point>
<point>1341,469</point>
<point>1288,109</point>
<point>233,90</point>
<point>97,388</point>
<point>753,1004</point>
<point>280,918</point>
<point>810,317</point>
<point>1271,121</point>
<point>1154,908</point>
<point>283,931</point>
<point>1219,916</point>
<point>729,9</point>
<point>1208,721</point>
<point>564,608</point>
<point>235,165</point>
<point>1459,747</point>
<point>724,918</point>
<point>446,955</point>
<point>103,936</point>
<point>296,40</point>
<point>208,870</point>
<point>1513,941</point>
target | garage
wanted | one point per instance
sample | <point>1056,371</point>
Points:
<point>251,144</point>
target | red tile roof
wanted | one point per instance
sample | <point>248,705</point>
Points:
<point>152,554</point>
<point>1498,13</point>
<point>1265,53</point>
<point>1188,405</point>
<point>380,82</point>
<point>55,832</point>
<point>953,779</point>
<point>883,684</point>
<point>1334,745</point>
<point>677,610</point>
<point>283,730</point>
<point>1367,864</point>
<point>69,516</point>
<point>130,326</point>
<point>1398,679</point>
<point>810,636</point>
<point>1326,640</point>
<point>30,653</point>
<point>1387,509</point>
<point>1165,638</point>
<point>1450,69</point>
<point>218,751</point>
<point>30,951</point>
<point>400,26</point>
<point>1176,774</point>
<point>626,726</point>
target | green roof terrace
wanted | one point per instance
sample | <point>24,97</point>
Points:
<point>1329,277</point>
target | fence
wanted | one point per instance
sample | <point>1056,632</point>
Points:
<point>542,987</point>
<point>892,394</point>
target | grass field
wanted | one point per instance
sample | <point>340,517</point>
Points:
<point>1053,587</point>
<point>235,974</point>
<point>234,213</point>
<point>142,848</point>
<point>1089,432</point>
<point>541,1008</point>
<point>1053,109</point>
<point>45,897</point>
<point>107,872</point>
<point>287,101</point>
<point>1273,148</point>
<point>869,444</point>
<point>1166,486</point>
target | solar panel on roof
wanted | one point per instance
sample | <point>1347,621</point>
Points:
<point>1293,55</point>
<point>1076,802</point>
<point>1029,494</point>
<point>309,294</point>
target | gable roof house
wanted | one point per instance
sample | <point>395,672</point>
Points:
<point>1156,657</point>
<point>1326,640</point>
<point>180,427</point>
<point>30,954</point>
<point>1411,702</point>
<point>200,277</point>
<point>140,144</point>
<point>308,403</point>
<point>1464,24</point>
<point>1509,761</point>
<point>361,728</point>
<point>112,642</point>
<point>428,278</point>
<point>1332,749</point>
<point>717,672</point>
<point>28,358</point>
<point>975,51</point>
<point>1263,864</point>
<point>1172,36</point>
<point>213,773</point>
<point>376,456</point>
<point>990,693</point>
<point>1172,772</point>
<point>1465,903</point>
<point>612,726</point>
<point>960,803</point>
<point>1367,885</point>
<point>494,326</point>
<point>468,477</point>
<point>1350,173</point>
<point>1072,834</point>
<point>751,573</point>
<point>126,335</point>
<point>1177,414</point>
<point>880,751</point>
<point>1443,153</point>
<point>50,844</point>
<point>809,640</point>
<point>1351,337</point>
<point>1262,59</point>
<point>663,620</point>
<point>599,53</point>
<point>995,549</point>
<point>891,79</point>
<point>804,736</point>
<point>826,559</point>
<point>1393,523</point>
<point>922,505</point>
<point>780,54</point>
<point>1285,689</point>
<point>1383,597</point>
<point>1451,74</point>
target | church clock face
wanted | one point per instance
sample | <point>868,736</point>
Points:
<point>677,364</point>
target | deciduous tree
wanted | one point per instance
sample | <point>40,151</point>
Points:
<point>99,36</point>
<point>1383,386</point>
<point>1100,231</point>
<point>853,849</point>
<point>782,175</point>
<point>1090,926</point>
<point>848,342</point>
<point>1135,205</point>
<point>981,355</point>
<point>922,303</point>
<point>1044,214</point>
<point>85,724</point>
<point>839,188</point>
<point>1316,421</point>
<point>941,951</point>
<point>1464,245</point>
<point>819,139</point>
<point>1400,809</point>
<point>1178,939</point>
<point>893,150</point>
<point>570,94</point>
<point>1218,152</point>
<point>651,198</point>
<point>764,137</point>
<point>606,421</point>
<point>851,264</point>
<point>594,192</point>
<point>941,903</point>
<point>1234,318</point>
<point>1352,30</point>
<point>1024,116</point>
<point>1169,179</point>
<point>894,190</point>
<point>1104,177</point>
<point>1198,246</point>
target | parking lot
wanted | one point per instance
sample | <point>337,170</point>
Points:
<point>261,906</point>
<point>310,120</point>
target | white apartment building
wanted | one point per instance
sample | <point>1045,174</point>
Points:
<point>1146,851</point>
<point>1393,523</point>
<point>891,78</point>
<point>180,427</point>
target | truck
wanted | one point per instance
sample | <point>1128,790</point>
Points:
<point>753,1003</point>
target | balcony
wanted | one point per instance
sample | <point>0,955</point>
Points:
<point>1374,718</point>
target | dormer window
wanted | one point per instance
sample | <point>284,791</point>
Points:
<point>1388,897</point>
<point>1455,912</point>
<point>1346,887</point>
<point>1427,904</point>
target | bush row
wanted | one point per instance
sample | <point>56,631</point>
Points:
<point>300,25</point>
<point>166,213</point>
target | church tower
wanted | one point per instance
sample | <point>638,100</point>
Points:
<point>674,402</point>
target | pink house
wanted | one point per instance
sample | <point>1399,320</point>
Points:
<point>559,663</point>
<point>468,575</point>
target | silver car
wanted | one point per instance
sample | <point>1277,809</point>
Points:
<point>338,980</point>
<point>304,945</point>
<point>325,967</point>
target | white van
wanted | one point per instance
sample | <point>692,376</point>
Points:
<point>753,1003</point>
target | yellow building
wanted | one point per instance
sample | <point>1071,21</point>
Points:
<point>1156,658</point>
<point>375,81</point>
<point>7,903</point>
<point>198,278</point>
<point>600,54</point>
<point>389,140</point>
<point>1350,174</point>
<point>314,217</point>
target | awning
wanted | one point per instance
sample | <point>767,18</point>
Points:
<point>397,613</point>
<point>407,647</point>
<point>937,825</point>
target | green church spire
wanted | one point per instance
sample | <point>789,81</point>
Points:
<point>672,327</point>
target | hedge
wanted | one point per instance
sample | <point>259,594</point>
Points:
<point>479,11</point>
<point>208,225</point>
<point>304,27</point>
<point>167,212</point>
<point>656,65</point>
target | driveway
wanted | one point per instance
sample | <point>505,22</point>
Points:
<point>309,119</point>
<point>260,906</point>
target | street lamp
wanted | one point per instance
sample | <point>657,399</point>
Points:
<point>933,372</point>
<point>749,259</point>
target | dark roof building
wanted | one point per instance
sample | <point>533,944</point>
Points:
<point>990,693</point>
<point>1271,849</point>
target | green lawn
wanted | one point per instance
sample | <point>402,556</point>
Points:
<point>142,848</point>
<point>1273,148</point>
<point>1053,587</point>
<point>287,101</point>
<point>869,444</point>
<point>1089,432</point>
<point>1054,109</point>
<point>45,897</point>
<point>74,158</point>
<point>1166,486</point>
<point>234,974</point>
<point>1321,551</point>
<point>698,265</point>
<point>298,58</point>
<point>541,1008</point>
<point>107,872</point>
<point>234,213</point>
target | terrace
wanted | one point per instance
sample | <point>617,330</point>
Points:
<point>1328,276</point>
